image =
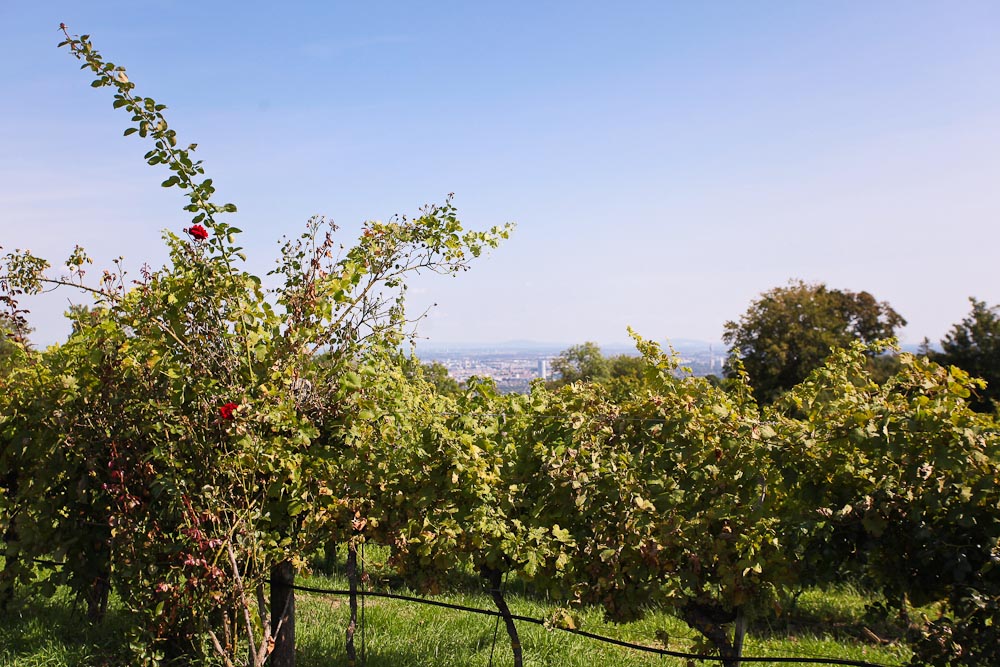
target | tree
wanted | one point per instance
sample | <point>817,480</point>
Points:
<point>974,346</point>
<point>10,350</point>
<point>790,330</point>
<point>581,363</point>
<point>626,367</point>
<point>436,374</point>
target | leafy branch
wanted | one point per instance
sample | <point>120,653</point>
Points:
<point>149,121</point>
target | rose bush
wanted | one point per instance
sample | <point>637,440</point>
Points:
<point>129,454</point>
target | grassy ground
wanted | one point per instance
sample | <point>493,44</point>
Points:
<point>398,634</point>
<point>53,632</point>
<point>405,634</point>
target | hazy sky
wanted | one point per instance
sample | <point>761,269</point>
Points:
<point>665,162</point>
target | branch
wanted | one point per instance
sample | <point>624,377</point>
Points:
<point>218,649</point>
<point>243,598</point>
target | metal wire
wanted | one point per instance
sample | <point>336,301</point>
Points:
<point>601,638</point>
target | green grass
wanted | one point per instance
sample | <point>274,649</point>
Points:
<point>40,631</point>
<point>53,632</point>
<point>404,633</point>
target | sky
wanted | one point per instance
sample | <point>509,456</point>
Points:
<point>665,162</point>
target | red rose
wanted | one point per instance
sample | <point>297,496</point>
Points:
<point>227,410</point>
<point>198,232</point>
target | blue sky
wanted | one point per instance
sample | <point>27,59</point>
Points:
<point>665,162</point>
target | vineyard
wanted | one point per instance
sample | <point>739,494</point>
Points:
<point>199,440</point>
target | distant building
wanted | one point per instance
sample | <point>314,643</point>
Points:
<point>543,369</point>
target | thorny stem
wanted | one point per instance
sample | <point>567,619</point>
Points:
<point>155,120</point>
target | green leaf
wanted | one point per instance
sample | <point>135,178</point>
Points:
<point>561,534</point>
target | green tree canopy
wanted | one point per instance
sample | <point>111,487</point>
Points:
<point>974,346</point>
<point>790,330</point>
<point>586,363</point>
<point>625,367</point>
<point>581,363</point>
<point>435,373</point>
<point>9,350</point>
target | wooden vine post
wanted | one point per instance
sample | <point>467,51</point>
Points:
<point>493,577</point>
<point>283,614</point>
<point>739,632</point>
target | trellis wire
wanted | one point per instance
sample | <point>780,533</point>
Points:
<point>596,637</point>
<point>538,621</point>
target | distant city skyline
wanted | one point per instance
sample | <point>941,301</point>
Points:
<point>515,367</point>
<point>665,162</point>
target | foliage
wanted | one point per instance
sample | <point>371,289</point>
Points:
<point>586,363</point>
<point>437,374</point>
<point>196,434</point>
<point>626,368</point>
<point>974,346</point>
<point>630,500</point>
<point>181,442</point>
<point>898,484</point>
<point>790,330</point>
<point>583,362</point>
<point>670,500</point>
<point>12,350</point>
<point>969,636</point>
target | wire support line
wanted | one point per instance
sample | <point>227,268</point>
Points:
<point>575,631</point>
<point>596,637</point>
